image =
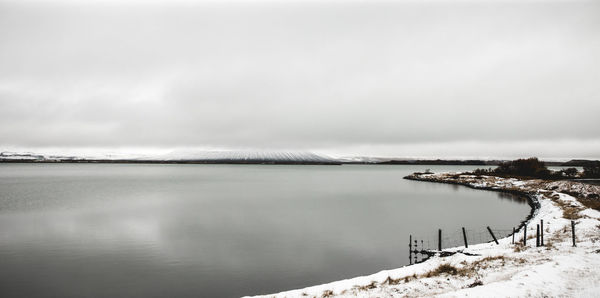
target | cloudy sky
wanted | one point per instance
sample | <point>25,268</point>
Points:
<point>414,79</point>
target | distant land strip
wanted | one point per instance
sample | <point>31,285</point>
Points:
<point>474,162</point>
<point>140,161</point>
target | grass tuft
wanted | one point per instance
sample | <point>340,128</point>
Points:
<point>475,284</point>
<point>442,269</point>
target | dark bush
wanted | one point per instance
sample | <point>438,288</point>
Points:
<point>534,168</point>
<point>592,170</point>
<point>530,167</point>
<point>483,171</point>
<point>569,172</point>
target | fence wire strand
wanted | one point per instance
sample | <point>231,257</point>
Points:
<point>455,238</point>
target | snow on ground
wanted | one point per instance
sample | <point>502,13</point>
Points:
<point>557,269</point>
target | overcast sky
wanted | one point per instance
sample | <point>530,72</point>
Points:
<point>420,79</point>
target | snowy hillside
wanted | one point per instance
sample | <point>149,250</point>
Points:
<point>224,156</point>
<point>247,156</point>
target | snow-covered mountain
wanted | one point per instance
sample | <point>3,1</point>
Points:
<point>208,156</point>
<point>31,156</point>
<point>363,159</point>
<point>247,156</point>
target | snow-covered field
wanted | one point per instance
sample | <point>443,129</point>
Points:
<point>555,270</point>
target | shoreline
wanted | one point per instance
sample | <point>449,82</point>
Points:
<point>506,269</point>
<point>532,201</point>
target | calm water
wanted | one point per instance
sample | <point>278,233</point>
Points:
<point>93,230</point>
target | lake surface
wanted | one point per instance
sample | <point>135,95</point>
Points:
<point>127,230</point>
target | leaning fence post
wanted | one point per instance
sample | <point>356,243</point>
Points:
<point>525,235</point>
<point>491,233</point>
<point>573,232</point>
<point>465,238</point>
<point>537,236</point>
<point>541,232</point>
<point>513,240</point>
<point>440,239</point>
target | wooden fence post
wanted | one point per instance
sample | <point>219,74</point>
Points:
<point>491,233</point>
<point>513,240</point>
<point>542,232</point>
<point>573,232</point>
<point>440,239</point>
<point>410,250</point>
<point>465,238</point>
<point>537,236</point>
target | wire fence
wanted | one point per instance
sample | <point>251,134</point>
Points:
<point>455,238</point>
<point>532,233</point>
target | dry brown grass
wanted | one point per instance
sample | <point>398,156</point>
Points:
<point>372,285</point>
<point>590,198</point>
<point>569,211</point>
<point>392,281</point>
<point>519,247</point>
<point>442,269</point>
<point>471,270</point>
<point>486,262</point>
<point>590,202</point>
<point>476,283</point>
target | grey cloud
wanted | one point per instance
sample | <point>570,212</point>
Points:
<point>291,75</point>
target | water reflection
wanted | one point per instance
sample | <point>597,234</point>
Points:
<point>217,231</point>
<point>512,197</point>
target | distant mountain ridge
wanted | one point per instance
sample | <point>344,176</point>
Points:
<point>226,157</point>
<point>245,156</point>
<point>249,157</point>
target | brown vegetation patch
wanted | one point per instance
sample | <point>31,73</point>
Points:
<point>569,211</point>
<point>442,269</point>
<point>519,247</point>
<point>590,201</point>
<point>475,284</point>
<point>471,270</point>
<point>370,286</point>
<point>486,262</point>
